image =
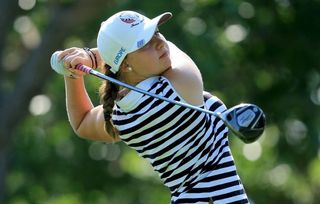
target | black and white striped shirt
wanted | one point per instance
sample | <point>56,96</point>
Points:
<point>189,149</point>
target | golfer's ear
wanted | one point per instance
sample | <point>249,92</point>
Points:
<point>125,67</point>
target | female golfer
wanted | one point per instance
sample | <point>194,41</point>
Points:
<point>189,149</point>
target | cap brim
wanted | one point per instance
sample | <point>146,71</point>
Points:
<point>149,29</point>
<point>163,17</point>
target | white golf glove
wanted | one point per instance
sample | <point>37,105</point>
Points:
<point>58,66</point>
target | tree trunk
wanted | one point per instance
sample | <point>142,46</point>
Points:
<point>4,159</point>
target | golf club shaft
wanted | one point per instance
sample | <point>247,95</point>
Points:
<point>231,123</point>
<point>93,72</point>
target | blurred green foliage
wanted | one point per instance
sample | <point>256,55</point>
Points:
<point>263,52</point>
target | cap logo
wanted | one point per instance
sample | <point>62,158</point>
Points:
<point>131,18</point>
<point>140,43</point>
<point>119,55</point>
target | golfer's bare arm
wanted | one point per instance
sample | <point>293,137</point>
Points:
<point>86,120</point>
<point>185,76</point>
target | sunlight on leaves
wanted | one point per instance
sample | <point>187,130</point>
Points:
<point>15,180</point>
<point>100,151</point>
<point>136,166</point>
<point>271,135</point>
<point>26,4</point>
<point>195,26</point>
<point>252,151</point>
<point>28,32</point>
<point>188,5</point>
<point>263,80</point>
<point>236,33</point>
<point>314,173</point>
<point>40,105</point>
<point>65,199</point>
<point>246,10</point>
<point>296,131</point>
<point>279,175</point>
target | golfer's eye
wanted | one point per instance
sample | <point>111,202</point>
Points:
<point>155,36</point>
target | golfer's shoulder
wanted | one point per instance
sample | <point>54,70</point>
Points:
<point>185,76</point>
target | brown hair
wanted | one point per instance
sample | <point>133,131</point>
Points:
<point>108,93</point>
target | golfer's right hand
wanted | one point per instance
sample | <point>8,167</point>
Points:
<point>64,62</point>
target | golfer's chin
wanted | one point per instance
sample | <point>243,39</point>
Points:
<point>167,70</point>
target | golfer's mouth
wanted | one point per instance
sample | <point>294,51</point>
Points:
<point>165,54</point>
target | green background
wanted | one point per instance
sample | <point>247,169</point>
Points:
<point>262,52</point>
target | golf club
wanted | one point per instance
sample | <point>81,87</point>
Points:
<point>246,121</point>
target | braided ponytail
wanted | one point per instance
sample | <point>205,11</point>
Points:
<point>108,93</point>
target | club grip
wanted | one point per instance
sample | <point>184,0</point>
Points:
<point>83,68</point>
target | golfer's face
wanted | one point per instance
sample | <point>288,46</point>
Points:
<point>153,58</point>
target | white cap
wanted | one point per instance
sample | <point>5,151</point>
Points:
<point>126,32</point>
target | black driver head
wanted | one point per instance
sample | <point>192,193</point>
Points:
<point>247,121</point>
